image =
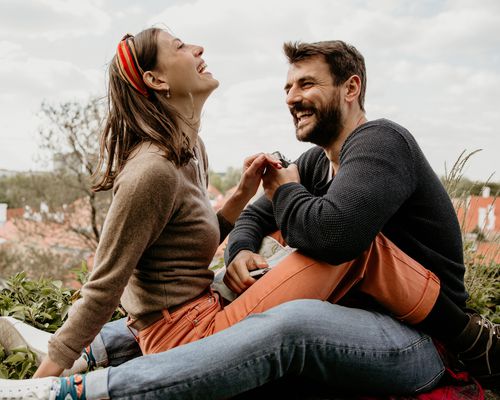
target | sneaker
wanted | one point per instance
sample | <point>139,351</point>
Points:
<point>85,363</point>
<point>482,357</point>
<point>42,389</point>
<point>15,333</point>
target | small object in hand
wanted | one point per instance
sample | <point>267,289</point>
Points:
<point>259,273</point>
<point>285,162</point>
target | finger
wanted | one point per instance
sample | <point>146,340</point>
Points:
<point>231,279</point>
<point>244,278</point>
<point>273,161</point>
<point>257,168</point>
<point>260,262</point>
<point>241,277</point>
<point>228,280</point>
<point>250,159</point>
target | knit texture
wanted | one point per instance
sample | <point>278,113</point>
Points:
<point>159,236</point>
<point>384,184</point>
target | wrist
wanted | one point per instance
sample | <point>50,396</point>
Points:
<point>234,205</point>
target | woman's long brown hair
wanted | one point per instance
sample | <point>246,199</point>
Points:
<point>133,118</point>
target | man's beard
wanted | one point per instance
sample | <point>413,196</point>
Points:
<point>327,128</point>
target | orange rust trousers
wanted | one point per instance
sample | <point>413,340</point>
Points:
<point>400,284</point>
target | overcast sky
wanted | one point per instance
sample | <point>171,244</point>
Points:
<point>433,67</point>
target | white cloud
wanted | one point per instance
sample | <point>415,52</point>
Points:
<point>52,19</point>
<point>433,66</point>
<point>21,73</point>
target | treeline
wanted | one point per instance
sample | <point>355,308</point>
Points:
<point>466,186</point>
<point>223,181</point>
<point>55,190</point>
<point>33,188</point>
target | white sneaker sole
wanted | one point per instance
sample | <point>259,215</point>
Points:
<point>15,333</point>
<point>40,389</point>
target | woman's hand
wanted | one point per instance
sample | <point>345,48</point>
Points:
<point>48,368</point>
<point>253,169</point>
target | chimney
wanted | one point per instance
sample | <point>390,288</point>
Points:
<point>3,213</point>
<point>486,192</point>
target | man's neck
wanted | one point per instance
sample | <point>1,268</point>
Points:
<point>332,151</point>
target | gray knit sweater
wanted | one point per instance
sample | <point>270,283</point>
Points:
<point>384,184</point>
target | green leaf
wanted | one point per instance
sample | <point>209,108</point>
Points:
<point>15,358</point>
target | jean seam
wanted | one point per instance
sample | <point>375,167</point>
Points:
<point>431,382</point>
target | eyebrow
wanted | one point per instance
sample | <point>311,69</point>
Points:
<point>301,80</point>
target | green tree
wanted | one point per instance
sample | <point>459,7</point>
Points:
<point>69,139</point>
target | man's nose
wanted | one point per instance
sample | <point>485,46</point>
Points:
<point>293,97</point>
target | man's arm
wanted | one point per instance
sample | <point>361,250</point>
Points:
<point>255,222</point>
<point>375,178</point>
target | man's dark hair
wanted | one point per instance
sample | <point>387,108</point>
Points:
<point>343,59</point>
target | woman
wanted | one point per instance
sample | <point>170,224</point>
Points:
<point>160,233</point>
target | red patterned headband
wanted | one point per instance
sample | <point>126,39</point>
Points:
<point>128,66</point>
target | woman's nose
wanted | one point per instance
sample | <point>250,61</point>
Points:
<point>198,51</point>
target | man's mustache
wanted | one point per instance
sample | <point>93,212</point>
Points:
<point>301,107</point>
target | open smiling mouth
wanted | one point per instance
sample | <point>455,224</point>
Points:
<point>202,68</point>
<point>302,117</point>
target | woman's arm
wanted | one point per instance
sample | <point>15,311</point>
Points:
<point>253,168</point>
<point>139,212</point>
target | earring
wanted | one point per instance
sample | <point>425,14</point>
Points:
<point>168,93</point>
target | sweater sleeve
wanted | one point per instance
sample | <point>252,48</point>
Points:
<point>255,221</point>
<point>375,177</point>
<point>140,209</point>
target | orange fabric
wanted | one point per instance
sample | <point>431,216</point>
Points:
<point>185,325</point>
<point>383,271</point>
<point>399,283</point>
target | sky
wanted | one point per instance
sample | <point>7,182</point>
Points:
<point>432,66</point>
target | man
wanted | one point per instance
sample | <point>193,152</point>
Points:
<point>362,179</point>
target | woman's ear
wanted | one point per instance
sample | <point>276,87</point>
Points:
<point>155,81</point>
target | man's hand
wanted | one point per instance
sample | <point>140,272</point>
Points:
<point>237,277</point>
<point>253,168</point>
<point>274,178</point>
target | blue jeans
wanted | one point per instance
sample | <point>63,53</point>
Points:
<point>349,350</point>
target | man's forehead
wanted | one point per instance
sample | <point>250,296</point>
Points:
<point>311,66</point>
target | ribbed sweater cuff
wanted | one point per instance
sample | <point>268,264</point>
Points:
<point>61,354</point>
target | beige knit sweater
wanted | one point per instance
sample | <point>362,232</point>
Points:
<point>158,239</point>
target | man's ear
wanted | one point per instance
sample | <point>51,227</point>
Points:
<point>155,81</point>
<point>352,88</point>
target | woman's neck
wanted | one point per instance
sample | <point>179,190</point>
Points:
<point>190,108</point>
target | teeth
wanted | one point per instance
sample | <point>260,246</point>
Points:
<point>303,114</point>
<point>202,67</point>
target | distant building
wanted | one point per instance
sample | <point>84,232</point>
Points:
<point>479,217</point>
<point>7,173</point>
<point>480,214</point>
